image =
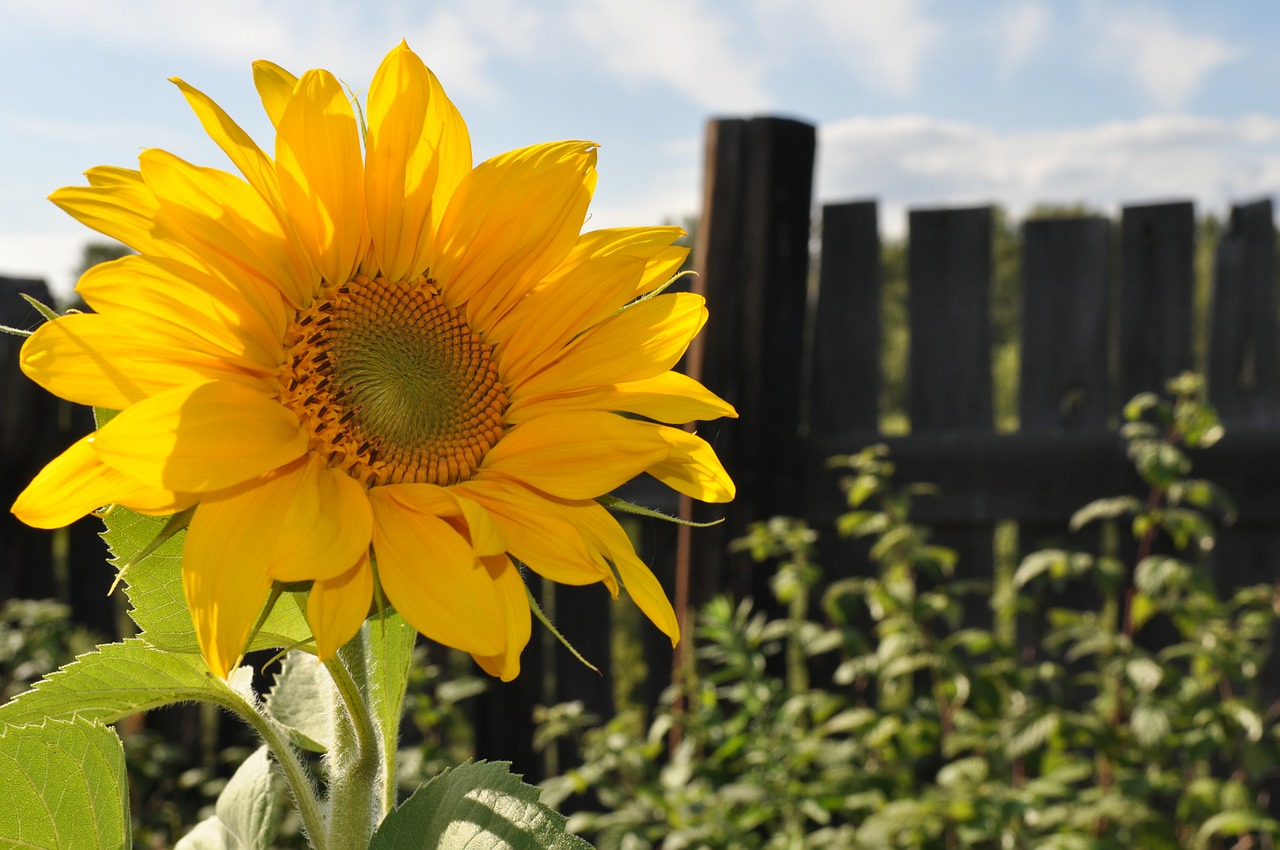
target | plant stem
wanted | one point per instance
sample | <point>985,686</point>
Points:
<point>357,782</point>
<point>295,772</point>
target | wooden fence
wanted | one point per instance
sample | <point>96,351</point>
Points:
<point>1107,311</point>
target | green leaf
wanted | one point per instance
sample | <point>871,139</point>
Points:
<point>209,834</point>
<point>117,680</point>
<point>480,806</point>
<point>1142,609</point>
<point>1140,404</point>
<point>301,701</point>
<point>64,787</point>
<point>1145,674</point>
<point>1150,724</point>
<point>243,814</point>
<point>1117,506</point>
<point>154,587</point>
<point>1233,823</point>
<point>861,488</point>
<point>246,805</point>
<point>964,773</point>
<point>1032,734</point>
<point>391,642</point>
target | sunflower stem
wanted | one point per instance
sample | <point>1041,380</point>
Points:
<point>356,784</point>
<point>295,772</point>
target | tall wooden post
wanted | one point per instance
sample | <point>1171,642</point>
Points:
<point>752,258</point>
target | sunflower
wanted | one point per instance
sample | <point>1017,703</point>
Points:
<point>369,366</point>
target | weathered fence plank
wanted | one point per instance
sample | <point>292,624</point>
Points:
<point>1244,357</point>
<point>845,388</point>
<point>1065,385</point>
<point>949,301</point>
<point>1066,288</point>
<point>1157,274</point>
<point>34,428</point>
<point>753,260</point>
<point>949,266</point>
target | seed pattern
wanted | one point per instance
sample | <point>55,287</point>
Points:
<point>393,384</point>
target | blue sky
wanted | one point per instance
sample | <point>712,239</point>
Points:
<point>917,103</point>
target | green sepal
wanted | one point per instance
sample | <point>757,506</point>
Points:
<point>613,503</point>
<point>542,618</point>
<point>43,309</point>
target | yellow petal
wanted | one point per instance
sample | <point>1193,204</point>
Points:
<point>116,203</point>
<point>400,169</point>
<point>606,270</point>
<point>76,482</point>
<point>153,295</point>
<point>312,522</point>
<point>654,245</point>
<point>322,176</point>
<point>642,341</point>
<point>540,532</point>
<point>325,527</point>
<point>338,606</point>
<point>225,580</point>
<point>236,228</point>
<point>484,533</point>
<point>511,221</point>
<point>239,315</point>
<point>515,607</point>
<point>275,86</point>
<point>431,576</point>
<point>671,397</point>
<point>693,468</point>
<point>603,530</point>
<point>201,437</point>
<point>255,165</point>
<point>453,150</point>
<point>576,455</point>
<point>94,359</point>
<point>533,336</point>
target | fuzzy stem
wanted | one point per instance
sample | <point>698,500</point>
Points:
<point>357,779</point>
<point>295,773</point>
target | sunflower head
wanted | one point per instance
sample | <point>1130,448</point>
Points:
<point>374,368</point>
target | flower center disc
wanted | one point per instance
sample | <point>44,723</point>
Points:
<point>394,384</point>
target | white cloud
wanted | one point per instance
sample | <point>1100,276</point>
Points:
<point>884,43</point>
<point>680,43</point>
<point>347,38</point>
<point>1020,29</point>
<point>922,161</point>
<point>1167,62</point>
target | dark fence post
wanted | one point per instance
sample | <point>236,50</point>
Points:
<point>1065,384</point>
<point>34,428</point>
<point>28,416</point>
<point>843,398</point>
<point>753,259</point>
<point>845,390</point>
<point>949,266</point>
<point>949,296</point>
<point>1066,275</point>
<point>1157,254</point>
<point>1244,385</point>
<point>1243,355</point>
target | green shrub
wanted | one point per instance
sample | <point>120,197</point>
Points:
<point>881,722</point>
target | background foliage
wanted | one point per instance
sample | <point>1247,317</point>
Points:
<point>875,715</point>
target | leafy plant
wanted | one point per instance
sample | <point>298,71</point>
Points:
<point>883,721</point>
